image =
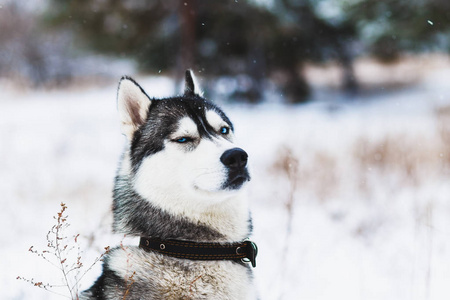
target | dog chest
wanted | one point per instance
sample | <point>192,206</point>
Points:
<point>154,276</point>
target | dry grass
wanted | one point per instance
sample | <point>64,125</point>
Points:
<point>288,165</point>
<point>391,155</point>
<point>64,253</point>
<point>443,126</point>
<point>391,162</point>
<point>318,173</point>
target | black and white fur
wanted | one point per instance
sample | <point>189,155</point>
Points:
<point>180,177</point>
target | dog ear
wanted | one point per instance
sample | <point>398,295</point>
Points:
<point>190,85</point>
<point>132,104</point>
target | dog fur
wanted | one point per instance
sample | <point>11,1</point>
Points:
<point>173,183</point>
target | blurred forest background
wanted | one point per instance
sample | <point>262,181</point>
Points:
<point>246,44</point>
<point>355,180</point>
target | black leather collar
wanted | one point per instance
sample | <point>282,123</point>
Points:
<point>244,251</point>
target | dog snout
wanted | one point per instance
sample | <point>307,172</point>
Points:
<point>235,158</point>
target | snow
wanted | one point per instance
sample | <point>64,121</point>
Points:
<point>370,197</point>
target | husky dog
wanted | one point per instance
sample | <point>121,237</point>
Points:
<point>180,178</point>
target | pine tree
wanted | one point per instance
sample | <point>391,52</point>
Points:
<point>214,37</point>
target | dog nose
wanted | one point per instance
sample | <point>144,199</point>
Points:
<point>235,158</point>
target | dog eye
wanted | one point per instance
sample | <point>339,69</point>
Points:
<point>224,130</point>
<point>183,140</point>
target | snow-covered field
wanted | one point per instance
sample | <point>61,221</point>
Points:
<point>351,200</point>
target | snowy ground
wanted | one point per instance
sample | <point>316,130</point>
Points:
<point>350,200</point>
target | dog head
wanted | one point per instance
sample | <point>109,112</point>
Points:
<point>181,150</point>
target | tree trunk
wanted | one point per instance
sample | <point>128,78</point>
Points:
<point>187,17</point>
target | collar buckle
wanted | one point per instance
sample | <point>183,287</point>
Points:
<point>252,252</point>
